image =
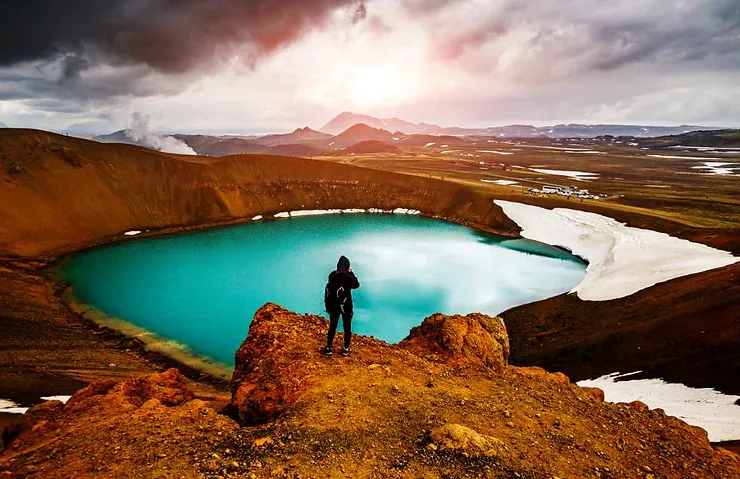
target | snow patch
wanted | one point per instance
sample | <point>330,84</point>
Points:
<point>673,157</point>
<point>294,214</point>
<point>501,182</point>
<point>578,175</point>
<point>496,152</point>
<point>406,211</point>
<point>706,408</point>
<point>256,218</point>
<point>554,147</point>
<point>299,213</point>
<point>717,167</point>
<point>622,260</point>
<point>429,144</point>
<point>9,407</point>
<point>64,399</point>
<point>132,233</point>
<point>704,148</point>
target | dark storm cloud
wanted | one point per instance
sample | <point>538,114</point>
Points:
<point>590,35</point>
<point>171,36</point>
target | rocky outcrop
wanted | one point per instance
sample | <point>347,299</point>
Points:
<point>427,407</point>
<point>474,340</point>
<point>146,427</point>
<point>168,388</point>
<point>277,363</point>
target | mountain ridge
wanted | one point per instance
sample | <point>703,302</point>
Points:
<point>563,130</point>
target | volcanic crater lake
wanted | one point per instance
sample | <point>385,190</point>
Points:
<point>201,289</point>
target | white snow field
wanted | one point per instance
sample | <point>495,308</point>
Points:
<point>132,233</point>
<point>496,152</point>
<point>673,157</point>
<point>9,407</point>
<point>298,213</point>
<point>706,408</point>
<point>501,182</point>
<point>578,175</point>
<point>718,167</point>
<point>622,260</point>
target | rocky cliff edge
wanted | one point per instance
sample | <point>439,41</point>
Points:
<point>443,403</point>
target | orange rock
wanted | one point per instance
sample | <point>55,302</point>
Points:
<point>475,340</point>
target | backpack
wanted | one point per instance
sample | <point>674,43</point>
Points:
<point>335,295</point>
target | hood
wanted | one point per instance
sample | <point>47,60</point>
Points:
<point>343,264</point>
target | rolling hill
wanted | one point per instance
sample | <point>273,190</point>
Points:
<point>703,138</point>
<point>369,146</point>
<point>358,133</point>
<point>300,135</point>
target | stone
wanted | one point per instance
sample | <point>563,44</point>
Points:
<point>262,441</point>
<point>464,440</point>
<point>474,340</point>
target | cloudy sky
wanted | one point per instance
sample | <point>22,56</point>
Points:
<point>268,66</point>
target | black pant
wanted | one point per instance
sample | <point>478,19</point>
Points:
<point>346,324</point>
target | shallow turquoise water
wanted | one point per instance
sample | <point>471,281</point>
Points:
<point>202,289</point>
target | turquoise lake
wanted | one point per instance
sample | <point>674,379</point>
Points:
<point>201,289</point>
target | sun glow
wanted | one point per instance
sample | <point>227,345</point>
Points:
<point>370,87</point>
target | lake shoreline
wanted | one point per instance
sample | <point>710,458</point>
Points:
<point>180,353</point>
<point>43,272</point>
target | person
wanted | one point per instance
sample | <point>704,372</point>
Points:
<point>338,301</point>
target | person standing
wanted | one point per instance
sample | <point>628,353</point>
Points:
<point>338,301</point>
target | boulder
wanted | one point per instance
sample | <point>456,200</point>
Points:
<point>464,440</point>
<point>475,340</point>
<point>169,388</point>
<point>274,363</point>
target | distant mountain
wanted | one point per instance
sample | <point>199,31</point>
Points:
<point>358,133</point>
<point>348,119</point>
<point>3,125</point>
<point>300,135</point>
<point>705,138</point>
<point>120,136</point>
<point>231,145</point>
<point>345,120</point>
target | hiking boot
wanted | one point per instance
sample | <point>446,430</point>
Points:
<point>326,351</point>
<point>345,352</point>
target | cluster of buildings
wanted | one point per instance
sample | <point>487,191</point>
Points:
<point>566,191</point>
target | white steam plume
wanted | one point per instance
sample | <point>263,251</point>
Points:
<point>140,133</point>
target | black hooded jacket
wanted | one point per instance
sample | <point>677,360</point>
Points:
<point>343,276</point>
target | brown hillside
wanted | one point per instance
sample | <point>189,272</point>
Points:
<point>369,146</point>
<point>686,330</point>
<point>60,193</point>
